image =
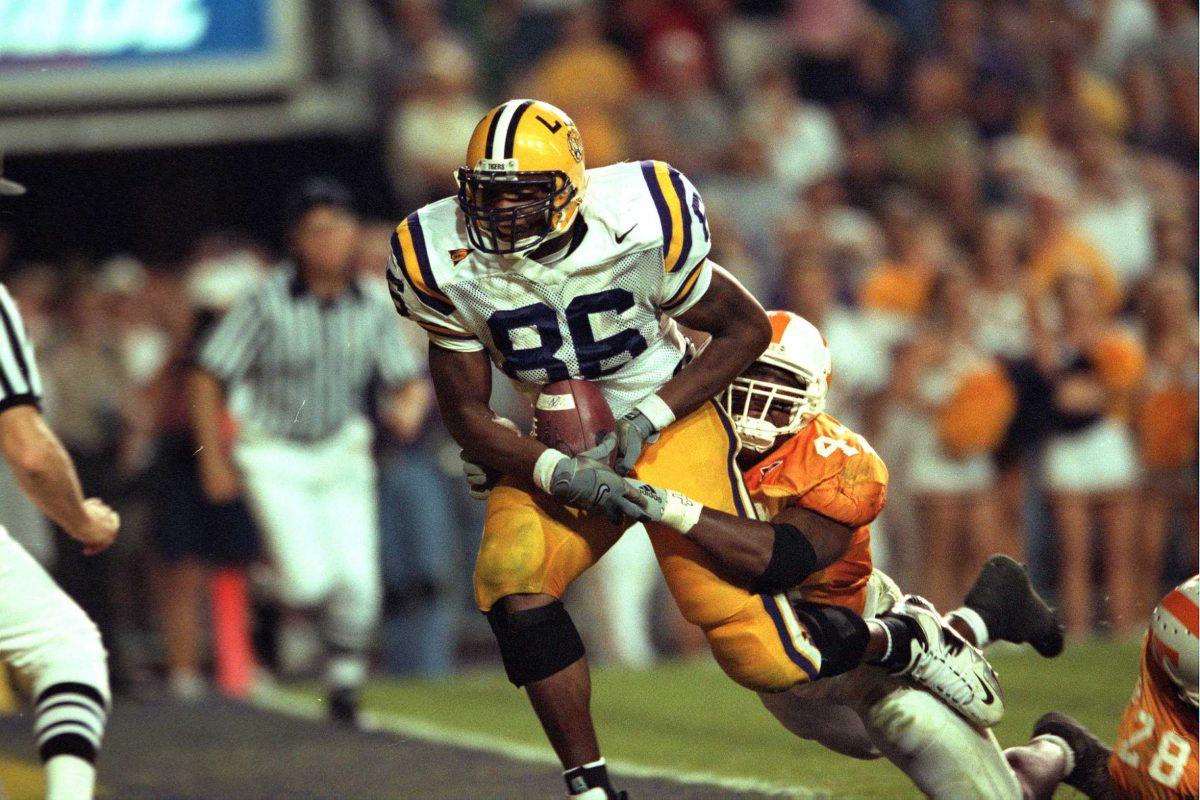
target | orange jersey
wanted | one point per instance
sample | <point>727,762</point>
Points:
<point>1155,753</point>
<point>829,469</point>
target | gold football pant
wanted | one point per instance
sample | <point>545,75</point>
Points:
<point>534,545</point>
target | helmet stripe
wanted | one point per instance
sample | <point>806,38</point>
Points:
<point>511,135</point>
<point>488,149</point>
<point>498,132</point>
<point>1183,609</point>
<point>779,323</point>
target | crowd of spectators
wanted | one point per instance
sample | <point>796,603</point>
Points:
<point>987,206</point>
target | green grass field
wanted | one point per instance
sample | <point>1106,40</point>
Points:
<point>688,716</point>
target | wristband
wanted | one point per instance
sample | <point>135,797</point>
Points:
<point>543,468</point>
<point>680,512</point>
<point>657,411</point>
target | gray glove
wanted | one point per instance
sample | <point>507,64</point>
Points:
<point>480,478</point>
<point>655,504</point>
<point>634,430</point>
<point>586,483</point>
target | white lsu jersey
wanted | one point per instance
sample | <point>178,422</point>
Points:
<point>602,313</point>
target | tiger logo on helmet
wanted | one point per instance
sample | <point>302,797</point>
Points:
<point>524,178</point>
<point>754,399</point>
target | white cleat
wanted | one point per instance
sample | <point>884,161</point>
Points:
<point>948,666</point>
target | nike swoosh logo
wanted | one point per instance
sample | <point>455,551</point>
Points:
<point>621,238</point>
<point>988,697</point>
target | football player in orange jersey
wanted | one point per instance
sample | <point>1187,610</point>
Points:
<point>1155,753</point>
<point>821,485</point>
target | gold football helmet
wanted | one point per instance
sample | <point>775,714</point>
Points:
<point>524,177</point>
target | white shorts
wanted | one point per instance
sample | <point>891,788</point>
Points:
<point>1101,457</point>
<point>317,509</point>
<point>44,636</point>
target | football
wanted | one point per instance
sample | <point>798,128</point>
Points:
<point>572,416</point>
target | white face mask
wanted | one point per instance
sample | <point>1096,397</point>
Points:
<point>749,403</point>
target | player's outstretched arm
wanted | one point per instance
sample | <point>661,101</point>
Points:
<point>44,471</point>
<point>771,556</point>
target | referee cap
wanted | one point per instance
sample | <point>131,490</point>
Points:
<point>318,192</point>
<point>7,187</point>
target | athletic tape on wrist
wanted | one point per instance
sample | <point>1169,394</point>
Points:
<point>681,512</point>
<point>543,468</point>
<point>657,411</point>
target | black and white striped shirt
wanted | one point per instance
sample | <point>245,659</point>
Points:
<point>20,382</point>
<point>307,363</point>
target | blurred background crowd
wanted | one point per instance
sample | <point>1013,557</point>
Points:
<point>987,206</point>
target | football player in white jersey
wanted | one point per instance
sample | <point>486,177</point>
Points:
<point>552,271</point>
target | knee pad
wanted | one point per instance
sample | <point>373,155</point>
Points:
<point>535,643</point>
<point>839,633</point>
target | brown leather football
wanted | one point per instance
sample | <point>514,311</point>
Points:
<point>572,416</point>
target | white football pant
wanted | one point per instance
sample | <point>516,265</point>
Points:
<point>866,713</point>
<point>56,653</point>
<point>317,510</point>
<point>44,636</point>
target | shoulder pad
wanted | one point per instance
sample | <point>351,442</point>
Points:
<point>680,215</point>
<point>823,449</point>
<point>427,246</point>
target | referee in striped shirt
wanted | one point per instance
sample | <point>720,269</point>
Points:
<point>303,351</point>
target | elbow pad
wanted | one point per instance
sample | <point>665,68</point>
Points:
<point>792,560</point>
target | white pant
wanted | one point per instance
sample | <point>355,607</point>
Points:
<point>44,636</point>
<point>317,509</point>
<point>866,713</point>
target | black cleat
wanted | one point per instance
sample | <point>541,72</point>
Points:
<point>1090,774</point>
<point>343,708</point>
<point>1013,610</point>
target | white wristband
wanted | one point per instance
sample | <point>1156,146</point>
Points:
<point>681,512</point>
<point>657,411</point>
<point>543,468</point>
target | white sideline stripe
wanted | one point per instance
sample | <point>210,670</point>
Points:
<point>297,705</point>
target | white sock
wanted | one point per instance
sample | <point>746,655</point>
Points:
<point>346,671</point>
<point>69,778</point>
<point>975,622</point>
<point>1061,743</point>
